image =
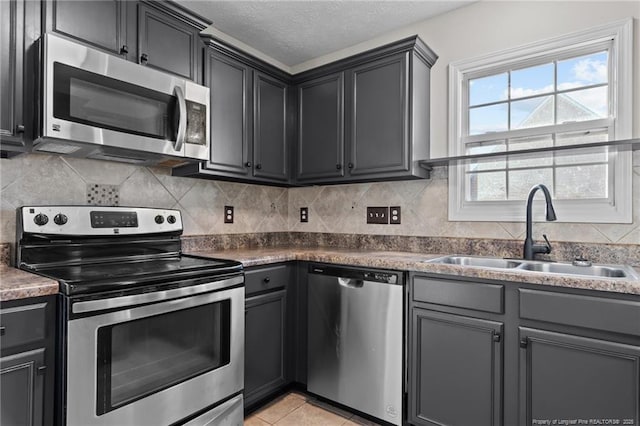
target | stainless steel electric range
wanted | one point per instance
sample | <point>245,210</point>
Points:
<point>149,336</point>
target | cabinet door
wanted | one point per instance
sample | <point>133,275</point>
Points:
<point>11,65</point>
<point>577,378</point>
<point>22,384</point>
<point>264,367</point>
<point>378,117</point>
<point>269,128</point>
<point>456,370</point>
<point>321,128</point>
<point>168,44</point>
<point>101,23</point>
<point>229,82</point>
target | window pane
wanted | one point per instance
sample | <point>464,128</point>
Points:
<point>583,156</point>
<point>521,181</point>
<point>532,81</point>
<point>488,119</point>
<point>488,89</point>
<point>531,142</point>
<point>532,112</point>
<point>485,148</point>
<point>489,186</point>
<point>583,71</point>
<point>581,105</point>
<point>582,182</point>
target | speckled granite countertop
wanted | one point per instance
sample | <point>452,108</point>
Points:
<point>408,261</point>
<point>19,284</point>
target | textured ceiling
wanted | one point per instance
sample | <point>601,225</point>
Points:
<point>293,32</point>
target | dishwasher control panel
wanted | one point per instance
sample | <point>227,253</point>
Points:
<point>358,274</point>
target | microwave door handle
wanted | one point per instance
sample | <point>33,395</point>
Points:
<point>182,124</point>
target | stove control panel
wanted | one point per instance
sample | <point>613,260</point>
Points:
<point>98,220</point>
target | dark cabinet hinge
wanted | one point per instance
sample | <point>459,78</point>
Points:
<point>524,342</point>
<point>497,337</point>
<point>3,330</point>
<point>42,369</point>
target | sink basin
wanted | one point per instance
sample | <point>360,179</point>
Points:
<point>482,262</point>
<point>603,271</point>
<point>606,271</point>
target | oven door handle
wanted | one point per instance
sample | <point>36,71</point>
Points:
<point>158,296</point>
<point>182,124</point>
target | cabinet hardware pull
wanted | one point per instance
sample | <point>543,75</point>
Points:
<point>258,166</point>
<point>124,49</point>
<point>338,166</point>
<point>144,58</point>
<point>247,164</point>
<point>524,343</point>
<point>351,165</point>
<point>496,336</point>
<point>20,128</point>
<point>3,330</point>
<point>266,280</point>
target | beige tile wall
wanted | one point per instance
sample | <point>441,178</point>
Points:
<point>50,179</point>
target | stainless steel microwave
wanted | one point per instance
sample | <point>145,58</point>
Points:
<point>96,105</point>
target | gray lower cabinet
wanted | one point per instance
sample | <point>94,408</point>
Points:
<point>567,377</point>
<point>456,370</point>
<point>27,361</point>
<point>267,332</point>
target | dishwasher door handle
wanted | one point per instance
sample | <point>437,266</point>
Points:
<point>350,282</point>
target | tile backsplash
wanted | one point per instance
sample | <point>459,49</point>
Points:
<point>50,179</point>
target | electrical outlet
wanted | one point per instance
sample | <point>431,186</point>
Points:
<point>304,214</point>
<point>228,214</point>
<point>394,215</point>
<point>378,215</point>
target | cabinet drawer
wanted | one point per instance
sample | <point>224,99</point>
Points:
<point>264,279</point>
<point>598,313</point>
<point>22,325</point>
<point>459,294</point>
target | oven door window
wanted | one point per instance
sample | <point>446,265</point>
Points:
<point>99,101</point>
<point>145,356</point>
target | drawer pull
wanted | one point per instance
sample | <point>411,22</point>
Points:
<point>266,280</point>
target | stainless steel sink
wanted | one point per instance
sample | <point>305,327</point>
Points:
<point>482,262</point>
<point>604,271</point>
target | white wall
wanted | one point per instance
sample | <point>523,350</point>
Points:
<point>490,26</point>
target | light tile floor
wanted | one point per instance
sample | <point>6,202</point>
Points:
<point>296,409</point>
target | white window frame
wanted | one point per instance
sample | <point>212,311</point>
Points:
<point>618,209</point>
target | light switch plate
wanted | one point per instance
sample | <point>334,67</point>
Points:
<point>379,215</point>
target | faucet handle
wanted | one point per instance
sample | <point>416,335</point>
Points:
<point>548,244</point>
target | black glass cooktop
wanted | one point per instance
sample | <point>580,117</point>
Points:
<point>88,278</point>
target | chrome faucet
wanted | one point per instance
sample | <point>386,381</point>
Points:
<point>530,248</point>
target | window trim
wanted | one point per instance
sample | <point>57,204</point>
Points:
<point>620,35</point>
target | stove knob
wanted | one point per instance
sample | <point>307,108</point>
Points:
<point>171,219</point>
<point>60,219</point>
<point>41,219</point>
<point>159,219</point>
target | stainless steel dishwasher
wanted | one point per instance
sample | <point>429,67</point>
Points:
<point>355,339</point>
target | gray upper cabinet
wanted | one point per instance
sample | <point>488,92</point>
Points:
<point>250,119</point>
<point>230,85</point>
<point>383,127</point>
<point>157,34</point>
<point>168,42</point>
<point>270,147</point>
<point>320,151</point>
<point>99,23</point>
<point>563,376</point>
<point>19,30</point>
